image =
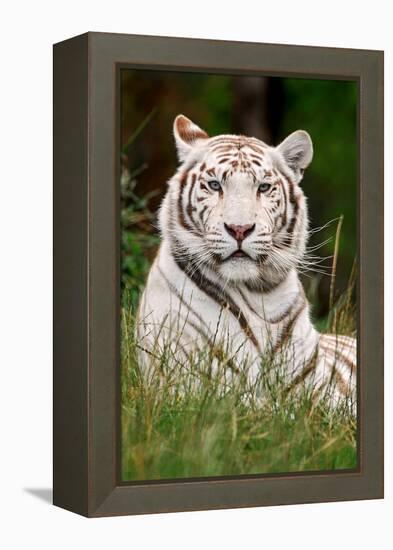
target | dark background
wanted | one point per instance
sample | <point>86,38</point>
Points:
<point>268,108</point>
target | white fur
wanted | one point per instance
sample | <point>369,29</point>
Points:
<point>174,308</point>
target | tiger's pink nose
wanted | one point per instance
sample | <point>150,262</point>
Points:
<point>240,232</point>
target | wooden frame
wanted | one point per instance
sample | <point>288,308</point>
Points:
<point>86,274</point>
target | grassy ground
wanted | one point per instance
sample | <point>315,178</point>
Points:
<point>174,428</point>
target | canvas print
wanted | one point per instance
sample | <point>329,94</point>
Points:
<point>238,275</point>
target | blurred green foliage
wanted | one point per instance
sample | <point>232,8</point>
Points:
<point>327,109</point>
<point>138,240</point>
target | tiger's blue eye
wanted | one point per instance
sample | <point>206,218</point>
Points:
<point>263,187</point>
<point>213,184</point>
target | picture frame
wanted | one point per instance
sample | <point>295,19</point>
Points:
<point>86,411</point>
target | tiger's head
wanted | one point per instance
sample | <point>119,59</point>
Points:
<point>235,205</point>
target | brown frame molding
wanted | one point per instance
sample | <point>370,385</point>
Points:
<point>86,273</point>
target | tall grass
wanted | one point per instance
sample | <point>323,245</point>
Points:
<point>182,421</point>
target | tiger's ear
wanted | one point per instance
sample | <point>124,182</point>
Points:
<point>187,134</point>
<point>297,151</point>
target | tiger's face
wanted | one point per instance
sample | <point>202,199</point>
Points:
<point>235,205</point>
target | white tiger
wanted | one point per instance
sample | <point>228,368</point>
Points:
<point>234,229</point>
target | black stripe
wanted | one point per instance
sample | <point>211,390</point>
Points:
<point>288,328</point>
<point>273,321</point>
<point>202,212</point>
<point>306,371</point>
<point>180,297</point>
<point>182,219</point>
<point>189,208</point>
<point>295,204</point>
<point>215,349</point>
<point>218,295</point>
<point>262,285</point>
<point>338,354</point>
<point>183,182</point>
<point>284,217</point>
<point>342,385</point>
<point>256,148</point>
